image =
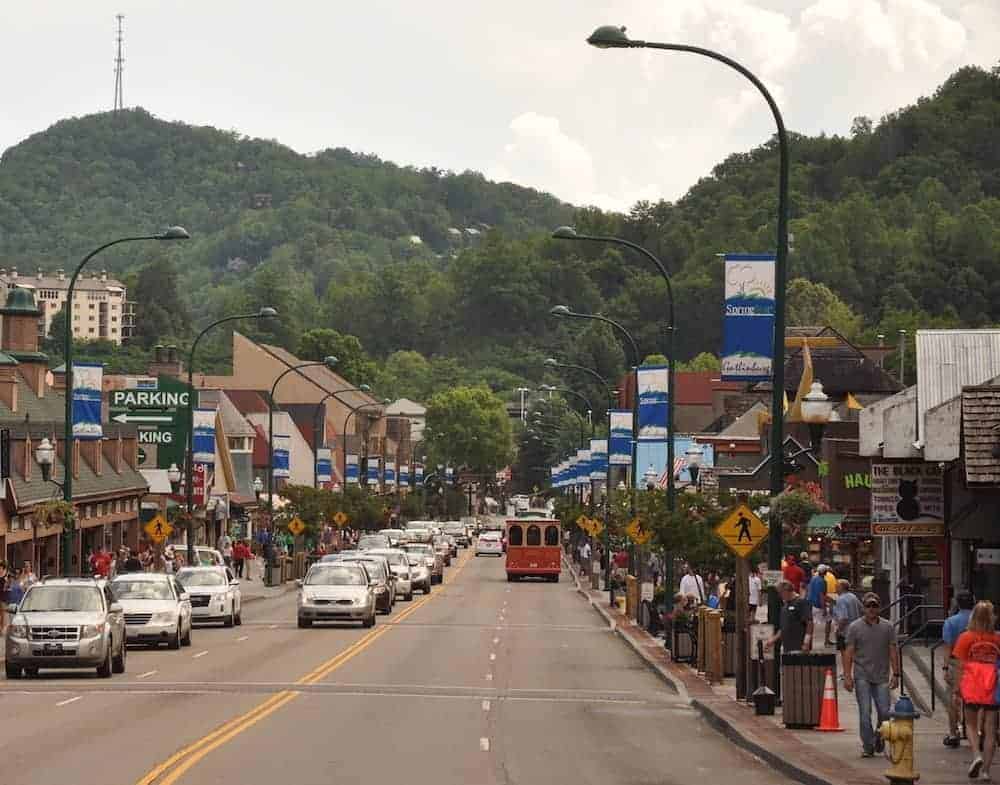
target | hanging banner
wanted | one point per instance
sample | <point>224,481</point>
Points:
<point>449,474</point>
<point>203,438</point>
<point>87,395</point>
<point>620,447</point>
<point>324,464</point>
<point>372,473</point>
<point>351,476</point>
<point>583,467</point>
<point>280,462</point>
<point>653,403</point>
<point>748,327</point>
<point>390,472</point>
<point>598,459</point>
<point>418,474</point>
<point>404,476</point>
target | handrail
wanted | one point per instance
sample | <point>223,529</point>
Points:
<point>902,597</point>
<point>933,689</point>
<point>915,609</point>
<point>910,639</point>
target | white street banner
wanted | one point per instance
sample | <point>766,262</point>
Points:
<point>748,327</point>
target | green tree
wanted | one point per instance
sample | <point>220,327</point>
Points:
<point>163,312</point>
<point>705,361</point>
<point>814,304</point>
<point>353,363</point>
<point>468,427</point>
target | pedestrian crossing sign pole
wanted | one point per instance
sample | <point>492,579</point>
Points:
<point>742,531</point>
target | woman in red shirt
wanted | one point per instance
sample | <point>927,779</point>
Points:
<point>978,651</point>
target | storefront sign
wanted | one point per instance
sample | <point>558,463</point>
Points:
<point>907,499</point>
<point>853,529</point>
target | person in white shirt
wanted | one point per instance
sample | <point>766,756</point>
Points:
<point>585,551</point>
<point>693,586</point>
<point>225,546</point>
<point>755,590</point>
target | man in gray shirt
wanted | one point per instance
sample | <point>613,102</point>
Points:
<point>846,609</point>
<point>871,669</point>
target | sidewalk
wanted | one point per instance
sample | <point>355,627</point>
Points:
<point>807,756</point>
<point>252,586</point>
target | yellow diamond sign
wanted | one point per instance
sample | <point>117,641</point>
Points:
<point>296,526</point>
<point>158,528</point>
<point>340,518</point>
<point>742,531</point>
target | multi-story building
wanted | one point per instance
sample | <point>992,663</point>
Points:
<point>101,310</point>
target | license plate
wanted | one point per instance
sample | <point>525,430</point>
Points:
<point>52,647</point>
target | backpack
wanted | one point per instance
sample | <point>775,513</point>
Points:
<point>979,674</point>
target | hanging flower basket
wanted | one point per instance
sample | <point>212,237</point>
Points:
<point>54,513</point>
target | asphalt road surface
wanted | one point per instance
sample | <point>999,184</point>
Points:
<point>481,683</point>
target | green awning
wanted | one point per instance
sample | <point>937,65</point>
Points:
<point>824,524</point>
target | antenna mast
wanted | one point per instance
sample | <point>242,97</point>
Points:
<point>119,66</point>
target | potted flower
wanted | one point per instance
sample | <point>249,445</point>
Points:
<point>54,513</point>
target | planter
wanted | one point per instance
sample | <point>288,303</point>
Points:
<point>683,642</point>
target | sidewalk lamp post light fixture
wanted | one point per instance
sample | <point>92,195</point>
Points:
<point>316,426</point>
<point>45,456</point>
<point>169,234</point>
<point>258,486</point>
<point>693,456</point>
<point>262,313</point>
<point>817,409</point>
<point>650,476</point>
<point>611,37</point>
<point>174,475</point>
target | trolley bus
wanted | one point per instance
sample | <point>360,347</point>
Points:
<point>533,548</point>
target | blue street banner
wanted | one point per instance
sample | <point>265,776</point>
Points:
<point>351,476</point>
<point>87,396</point>
<point>418,474</point>
<point>653,403</point>
<point>372,475</point>
<point>620,447</point>
<point>404,476</point>
<point>571,472</point>
<point>748,327</point>
<point>583,467</point>
<point>598,459</point>
<point>282,453</point>
<point>203,438</point>
<point>449,474</point>
<point>324,464</point>
<point>390,472</point>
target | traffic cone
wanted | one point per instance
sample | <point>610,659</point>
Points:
<point>829,718</point>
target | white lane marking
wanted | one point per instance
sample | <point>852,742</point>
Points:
<point>69,701</point>
<point>496,641</point>
<point>486,705</point>
<point>273,627</point>
<point>199,654</point>
<point>493,658</point>
<point>489,677</point>
<point>242,638</point>
<point>484,744</point>
<point>146,675</point>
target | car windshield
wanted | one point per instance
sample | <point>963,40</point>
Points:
<point>423,550</point>
<point>375,569</point>
<point>62,598</point>
<point>373,541</point>
<point>140,590</point>
<point>395,559</point>
<point>338,575</point>
<point>490,536</point>
<point>201,578</point>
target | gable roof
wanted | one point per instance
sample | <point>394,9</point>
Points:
<point>981,434</point>
<point>248,401</point>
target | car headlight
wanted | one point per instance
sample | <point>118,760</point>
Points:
<point>304,599</point>
<point>163,617</point>
<point>19,630</point>
<point>92,630</point>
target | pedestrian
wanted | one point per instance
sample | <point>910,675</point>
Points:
<point>238,559</point>
<point>954,626</point>
<point>795,627</point>
<point>977,651</point>
<point>225,547</point>
<point>831,599</point>
<point>585,553</point>
<point>846,608</point>
<point>28,577</point>
<point>816,594</point>
<point>807,567</point>
<point>871,669</point>
<point>692,584</point>
<point>131,562</point>
<point>793,573</point>
<point>755,588</point>
<point>4,588</point>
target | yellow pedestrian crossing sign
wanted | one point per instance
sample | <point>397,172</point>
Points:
<point>296,526</point>
<point>742,531</point>
<point>158,528</point>
<point>340,518</point>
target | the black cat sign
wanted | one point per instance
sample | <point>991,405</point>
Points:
<point>907,499</point>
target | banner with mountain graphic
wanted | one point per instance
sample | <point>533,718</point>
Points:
<point>748,329</point>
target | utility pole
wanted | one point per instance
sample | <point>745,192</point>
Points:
<point>119,65</point>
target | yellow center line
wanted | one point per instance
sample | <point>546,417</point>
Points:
<point>182,760</point>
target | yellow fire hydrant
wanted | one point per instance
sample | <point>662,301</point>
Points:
<point>898,734</point>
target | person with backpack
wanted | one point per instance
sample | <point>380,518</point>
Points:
<point>977,651</point>
<point>871,669</point>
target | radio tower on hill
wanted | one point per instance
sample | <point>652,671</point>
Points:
<point>119,65</point>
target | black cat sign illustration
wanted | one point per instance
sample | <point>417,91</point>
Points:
<point>907,498</point>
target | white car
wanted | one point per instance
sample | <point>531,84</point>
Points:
<point>157,608</point>
<point>214,593</point>
<point>336,591</point>
<point>400,565</point>
<point>489,543</point>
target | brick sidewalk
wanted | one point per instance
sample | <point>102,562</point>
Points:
<point>807,756</point>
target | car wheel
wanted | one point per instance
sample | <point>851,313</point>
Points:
<point>118,663</point>
<point>408,597</point>
<point>229,620</point>
<point>370,621</point>
<point>305,623</point>
<point>13,671</point>
<point>427,588</point>
<point>31,672</point>
<point>186,640</point>
<point>174,642</point>
<point>239,617</point>
<point>104,669</point>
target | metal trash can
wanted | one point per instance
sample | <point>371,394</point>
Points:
<point>802,678</point>
<point>682,643</point>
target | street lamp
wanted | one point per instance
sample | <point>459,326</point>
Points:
<point>174,475</point>
<point>611,37</point>
<point>45,456</point>
<point>319,408</point>
<point>262,313</point>
<point>650,476</point>
<point>258,486</point>
<point>693,455</point>
<point>169,234</point>
<point>566,390</point>
<point>817,409</point>
<point>351,413</point>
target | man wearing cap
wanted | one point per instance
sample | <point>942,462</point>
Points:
<point>954,626</point>
<point>871,669</point>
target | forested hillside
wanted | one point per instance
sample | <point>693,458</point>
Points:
<point>448,278</point>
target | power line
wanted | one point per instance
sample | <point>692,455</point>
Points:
<point>119,65</point>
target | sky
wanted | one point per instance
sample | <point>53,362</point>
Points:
<point>510,89</point>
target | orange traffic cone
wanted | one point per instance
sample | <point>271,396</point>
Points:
<point>829,719</point>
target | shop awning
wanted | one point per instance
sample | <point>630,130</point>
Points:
<point>824,524</point>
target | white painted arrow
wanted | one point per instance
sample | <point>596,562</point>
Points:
<point>123,418</point>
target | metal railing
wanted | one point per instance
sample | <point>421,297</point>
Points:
<point>919,633</point>
<point>934,649</point>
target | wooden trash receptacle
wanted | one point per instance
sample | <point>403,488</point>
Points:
<point>802,679</point>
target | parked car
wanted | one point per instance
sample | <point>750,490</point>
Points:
<point>157,608</point>
<point>432,559</point>
<point>443,547</point>
<point>369,541</point>
<point>489,544</point>
<point>66,623</point>
<point>336,591</point>
<point>399,563</point>
<point>214,593</point>
<point>382,577</point>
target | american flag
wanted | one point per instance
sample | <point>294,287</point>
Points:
<point>664,477</point>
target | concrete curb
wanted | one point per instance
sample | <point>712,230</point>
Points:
<point>285,589</point>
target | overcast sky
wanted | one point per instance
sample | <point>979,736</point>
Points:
<point>508,88</point>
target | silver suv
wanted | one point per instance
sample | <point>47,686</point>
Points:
<point>66,623</point>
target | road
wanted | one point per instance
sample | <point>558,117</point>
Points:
<point>481,683</point>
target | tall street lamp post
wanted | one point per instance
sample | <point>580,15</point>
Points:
<point>69,532</point>
<point>583,398</point>
<point>263,313</point>
<point>350,414</point>
<point>316,418</point>
<point>611,37</point>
